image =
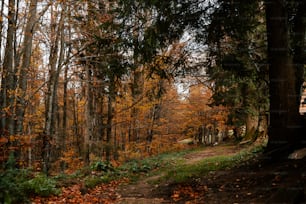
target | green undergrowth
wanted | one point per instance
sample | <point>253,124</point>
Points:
<point>17,185</point>
<point>151,165</point>
<point>100,172</point>
<point>184,172</point>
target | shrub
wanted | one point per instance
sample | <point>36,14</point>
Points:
<point>17,184</point>
<point>102,166</point>
<point>11,183</point>
<point>41,185</point>
<point>11,189</point>
<point>136,166</point>
<point>91,182</point>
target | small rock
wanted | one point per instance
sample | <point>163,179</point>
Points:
<point>298,154</point>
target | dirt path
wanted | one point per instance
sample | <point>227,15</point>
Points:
<point>259,181</point>
<point>146,192</point>
<point>141,192</point>
<point>210,152</point>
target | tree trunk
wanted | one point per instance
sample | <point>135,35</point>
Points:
<point>60,141</point>
<point>285,124</point>
<point>23,72</point>
<point>76,134</point>
<point>111,99</point>
<point>251,126</point>
<point>298,39</point>
<point>1,29</point>
<point>65,106</point>
<point>88,114</point>
<point>51,103</point>
<point>137,90</point>
<point>8,75</point>
<point>252,115</point>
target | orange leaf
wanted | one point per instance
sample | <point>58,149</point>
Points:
<point>3,140</point>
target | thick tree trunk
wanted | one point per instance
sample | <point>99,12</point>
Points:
<point>285,124</point>
<point>298,39</point>
<point>251,126</point>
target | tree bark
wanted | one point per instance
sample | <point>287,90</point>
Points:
<point>23,72</point>
<point>298,41</point>
<point>61,63</point>
<point>252,115</point>
<point>51,99</point>
<point>76,131</point>
<point>8,75</point>
<point>111,99</point>
<point>137,90</point>
<point>285,125</point>
<point>88,114</point>
<point>1,28</point>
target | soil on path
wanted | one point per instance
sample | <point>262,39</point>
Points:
<point>257,182</point>
<point>146,191</point>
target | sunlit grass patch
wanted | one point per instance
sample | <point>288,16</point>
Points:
<point>184,172</point>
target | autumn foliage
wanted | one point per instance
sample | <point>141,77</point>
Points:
<point>78,194</point>
<point>79,86</point>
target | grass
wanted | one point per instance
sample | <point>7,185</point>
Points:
<point>152,165</point>
<point>184,172</point>
<point>173,167</point>
<point>133,169</point>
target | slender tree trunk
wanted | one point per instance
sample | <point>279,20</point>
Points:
<point>101,119</point>
<point>110,117</point>
<point>88,114</point>
<point>2,82</point>
<point>1,28</point>
<point>23,72</point>
<point>137,90</point>
<point>8,78</point>
<point>65,106</point>
<point>76,134</point>
<point>252,115</point>
<point>61,63</point>
<point>51,105</point>
<point>155,114</point>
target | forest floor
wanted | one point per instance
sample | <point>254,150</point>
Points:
<point>256,181</point>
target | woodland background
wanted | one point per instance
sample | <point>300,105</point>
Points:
<point>83,81</point>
